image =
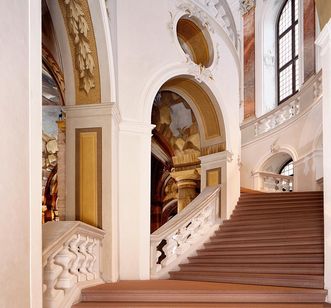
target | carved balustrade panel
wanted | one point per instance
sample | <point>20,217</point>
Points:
<point>178,235</point>
<point>69,261</point>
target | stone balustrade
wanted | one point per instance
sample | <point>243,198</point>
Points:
<point>295,106</point>
<point>175,240</point>
<point>272,182</point>
<point>71,261</point>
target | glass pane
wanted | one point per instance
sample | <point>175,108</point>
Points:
<point>285,49</point>
<point>285,82</point>
<point>285,19</point>
<point>296,33</point>
<point>287,169</point>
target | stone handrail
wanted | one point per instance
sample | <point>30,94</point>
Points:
<point>273,182</point>
<point>297,104</point>
<point>175,239</point>
<point>71,261</point>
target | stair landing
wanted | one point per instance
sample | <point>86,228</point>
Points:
<point>172,293</point>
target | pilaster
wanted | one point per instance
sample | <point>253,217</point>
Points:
<point>324,42</point>
<point>92,173</point>
<point>134,199</point>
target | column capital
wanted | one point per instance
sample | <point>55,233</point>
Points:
<point>135,127</point>
<point>246,6</point>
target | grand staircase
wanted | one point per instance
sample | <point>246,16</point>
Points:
<point>268,254</point>
<point>271,239</point>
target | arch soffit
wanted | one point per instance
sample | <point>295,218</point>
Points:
<point>282,149</point>
<point>83,82</point>
<point>171,72</point>
<point>208,115</point>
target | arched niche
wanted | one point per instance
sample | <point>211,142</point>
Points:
<point>274,163</point>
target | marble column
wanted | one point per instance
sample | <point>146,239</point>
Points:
<point>324,42</point>
<point>308,38</point>
<point>248,10</point>
<point>187,184</point>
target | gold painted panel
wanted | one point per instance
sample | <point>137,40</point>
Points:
<point>324,11</point>
<point>88,176</point>
<point>214,177</point>
<point>79,26</point>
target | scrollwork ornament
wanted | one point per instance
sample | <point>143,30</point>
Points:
<point>78,29</point>
<point>246,6</point>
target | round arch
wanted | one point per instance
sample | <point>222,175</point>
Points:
<point>177,71</point>
<point>287,149</point>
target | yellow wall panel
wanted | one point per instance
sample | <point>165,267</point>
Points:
<point>88,176</point>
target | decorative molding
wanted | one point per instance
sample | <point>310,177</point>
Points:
<point>246,6</point>
<point>199,72</point>
<point>55,69</point>
<point>78,29</point>
<point>206,11</point>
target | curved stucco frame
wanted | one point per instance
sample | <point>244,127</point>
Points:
<point>282,149</point>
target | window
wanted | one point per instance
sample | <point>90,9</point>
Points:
<point>287,168</point>
<point>288,50</point>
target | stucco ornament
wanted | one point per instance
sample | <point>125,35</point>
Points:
<point>246,5</point>
<point>199,72</point>
<point>78,29</point>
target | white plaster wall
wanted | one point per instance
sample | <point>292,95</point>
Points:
<point>295,138</point>
<point>148,55</point>
<point>20,135</point>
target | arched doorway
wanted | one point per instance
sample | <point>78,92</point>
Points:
<point>188,125</point>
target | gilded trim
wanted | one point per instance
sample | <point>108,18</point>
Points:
<point>79,27</point>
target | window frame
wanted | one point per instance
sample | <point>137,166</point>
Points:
<point>284,165</point>
<point>294,57</point>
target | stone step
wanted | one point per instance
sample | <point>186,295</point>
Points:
<point>262,238</point>
<point>318,224</point>
<point>167,292</point>
<point>275,259</point>
<point>274,220</point>
<point>303,281</point>
<point>303,269</point>
<point>284,203</point>
<point>263,243</point>
<point>286,230</point>
<point>265,250</point>
<point>276,210</point>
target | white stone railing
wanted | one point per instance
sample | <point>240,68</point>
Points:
<point>71,261</point>
<point>175,240</point>
<point>296,105</point>
<point>272,182</point>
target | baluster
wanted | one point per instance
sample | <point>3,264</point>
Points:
<point>65,258</point>
<point>170,251</point>
<point>90,259</point>
<point>182,238</point>
<point>155,254</point>
<point>79,260</point>
<point>73,247</point>
<point>84,259</point>
<point>52,297</point>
